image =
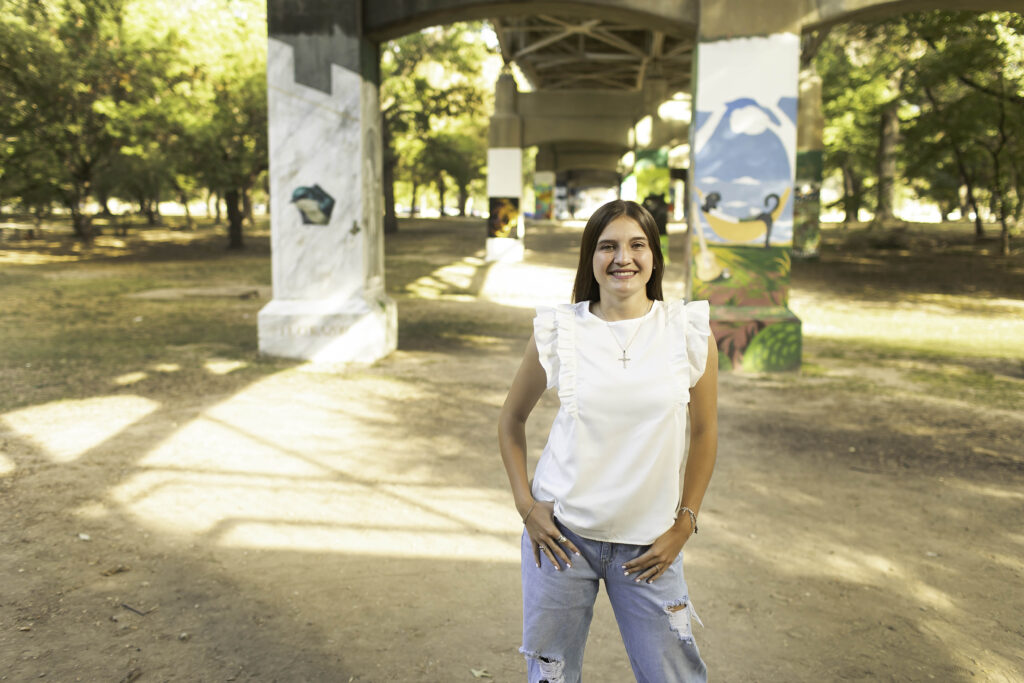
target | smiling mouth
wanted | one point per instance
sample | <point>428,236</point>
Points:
<point>623,274</point>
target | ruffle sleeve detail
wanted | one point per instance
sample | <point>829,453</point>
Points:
<point>545,333</point>
<point>691,324</point>
<point>554,330</point>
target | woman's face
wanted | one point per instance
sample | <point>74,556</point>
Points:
<point>623,259</point>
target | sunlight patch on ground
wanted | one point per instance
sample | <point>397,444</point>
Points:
<point>989,490</point>
<point>28,258</point>
<point>289,465</point>
<point>64,430</point>
<point>129,378</point>
<point>453,282</point>
<point>167,367</point>
<point>971,655</point>
<point>526,285</point>
<point>6,465</point>
<point>221,366</point>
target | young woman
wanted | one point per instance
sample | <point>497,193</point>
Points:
<point>611,498</point>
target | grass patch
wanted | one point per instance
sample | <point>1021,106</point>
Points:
<point>70,330</point>
<point>972,386</point>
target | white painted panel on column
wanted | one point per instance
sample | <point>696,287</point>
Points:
<point>744,139</point>
<point>504,172</point>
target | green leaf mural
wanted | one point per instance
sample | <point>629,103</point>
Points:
<point>751,276</point>
<point>776,347</point>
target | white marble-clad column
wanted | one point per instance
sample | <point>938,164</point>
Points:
<point>505,176</point>
<point>326,214</point>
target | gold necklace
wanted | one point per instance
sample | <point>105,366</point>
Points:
<point>624,360</point>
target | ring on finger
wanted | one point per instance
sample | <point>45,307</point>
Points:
<point>562,539</point>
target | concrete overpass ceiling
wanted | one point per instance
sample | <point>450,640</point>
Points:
<point>387,19</point>
<point>577,52</point>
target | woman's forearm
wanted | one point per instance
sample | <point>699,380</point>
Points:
<point>700,463</point>
<point>512,442</point>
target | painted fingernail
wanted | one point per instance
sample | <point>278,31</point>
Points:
<point>636,580</point>
<point>625,573</point>
<point>577,553</point>
<point>569,565</point>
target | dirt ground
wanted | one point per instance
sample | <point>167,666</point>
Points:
<point>189,511</point>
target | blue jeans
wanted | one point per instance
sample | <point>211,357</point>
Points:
<point>654,618</point>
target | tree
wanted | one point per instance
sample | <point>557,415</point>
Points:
<point>969,90</point>
<point>428,80</point>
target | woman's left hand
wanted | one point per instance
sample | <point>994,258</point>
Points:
<point>662,553</point>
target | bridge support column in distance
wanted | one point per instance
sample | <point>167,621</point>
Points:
<point>544,184</point>
<point>743,151</point>
<point>505,176</point>
<point>810,153</point>
<point>327,257</point>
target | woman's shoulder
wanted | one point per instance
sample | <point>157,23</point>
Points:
<point>683,309</point>
<point>578,308</point>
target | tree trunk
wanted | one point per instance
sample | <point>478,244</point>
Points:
<point>81,223</point>
<point>851,195</point>
<point>412,206</point>
<point>247,206</point>
<point>439,181</point>
<point>189,223</point>
<point>887,140</point>
<point>105,211</point>
<point>463,198</point>
<point>216,208</point>
<point>231,200</point>
<point>388,181</point>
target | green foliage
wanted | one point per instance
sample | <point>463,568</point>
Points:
<point>130,99</point>
<point>957,80</point>
<point>434,105</point>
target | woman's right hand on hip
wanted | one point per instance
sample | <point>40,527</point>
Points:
<point>547,538</point>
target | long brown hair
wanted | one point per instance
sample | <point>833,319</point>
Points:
<point>585,287</point>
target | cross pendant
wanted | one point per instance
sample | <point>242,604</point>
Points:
<point>624,359</point>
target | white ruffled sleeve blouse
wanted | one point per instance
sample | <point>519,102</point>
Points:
<point>614,458</point>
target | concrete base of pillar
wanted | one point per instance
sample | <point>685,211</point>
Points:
<point>329,331</point>
<point>505,250</point>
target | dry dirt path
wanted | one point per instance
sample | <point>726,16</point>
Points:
<point>356,525</point>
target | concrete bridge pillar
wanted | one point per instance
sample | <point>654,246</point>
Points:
<point>325,178</point>
<point>544,183</point>
<point>743,156</point>
<point>505,175</point>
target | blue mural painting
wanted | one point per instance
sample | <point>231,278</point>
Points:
<point>744,180</point>
<point>314,204</point>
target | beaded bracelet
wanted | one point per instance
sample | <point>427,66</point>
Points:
<point>693,517</point>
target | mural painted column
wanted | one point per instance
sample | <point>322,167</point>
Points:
<point>325,183</point>
<point>810,153</point>
<point>544,183</point>
<point>743,153</point>
<point>505,175</point>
